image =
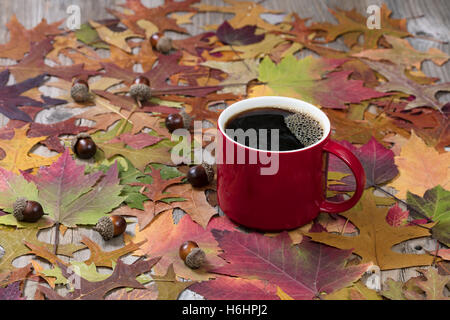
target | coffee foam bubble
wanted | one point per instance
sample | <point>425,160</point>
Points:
<point>305,128</point>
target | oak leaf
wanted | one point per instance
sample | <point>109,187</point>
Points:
<point>239,36</point>
<point>169,288</point>
<point>124,275</point>
<point>376,237</point>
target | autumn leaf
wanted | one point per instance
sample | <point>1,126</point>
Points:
<point>358,291</point>
<point>304,272</point>
<point>13,242</point>
<point>136,141</point>
<point>239,36</point>
<point>158,15</point>
<point>11,292</point>
<point>11,96</point>
<point>246,13</point>
<point>377,161</point>
<point>425,95</point>
<point>106,258</point>
<point>303,79</point>
<point>397,217</point>
<point>421,168</point>
<point>70,197</point>
<point>124,275</point>
<point>169,288</point>
<point>21,38</point>
<point>403,53</point>
<point>228,288</point>
<point>117,39</point>
<point>165,238</point>
<point>376,237</point>
<point>18,156</point>
<point>355,23</point>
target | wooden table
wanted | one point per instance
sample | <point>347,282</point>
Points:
<point>428,19</point>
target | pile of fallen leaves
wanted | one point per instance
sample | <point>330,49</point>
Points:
<point>381,106</point>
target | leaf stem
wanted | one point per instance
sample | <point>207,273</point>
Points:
<point>56,243</point>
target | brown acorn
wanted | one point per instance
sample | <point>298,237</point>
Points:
<point>178,120</point>
<point>200,175</point>
<point>110,226</point>
<point>160,42</point>
<point>27,210</point>
<point>140,89</point>
<point>83,146</point>
<point>80,91</point>
<point>192,255</point>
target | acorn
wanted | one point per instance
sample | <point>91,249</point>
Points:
<point>160,42</point>
<point>304,127</point>
<point>200,175</point>
<point>110,226</point>
<point>140,89</point>
<point>192,255</point>
<point>83,146</point>
<point>27,210</point>
<point>178,120</point>
<point>80,91</point>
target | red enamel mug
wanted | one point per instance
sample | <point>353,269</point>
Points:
<point>278,190</point>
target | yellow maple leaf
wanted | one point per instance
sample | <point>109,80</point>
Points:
<point>17,152</point>
<point>421,168</point>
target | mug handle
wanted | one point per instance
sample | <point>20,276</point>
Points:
<point>358,171</point>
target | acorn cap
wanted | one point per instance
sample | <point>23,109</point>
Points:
<point>195,258</point>
<point>140,91</point>
<point>18,207</point>
<point>164,44</point>
<point>105,227</point>
<point>304,127</point>
<point>209,169</point>
<point>187,119</point>
<point>80,92</point>
<point>79,136</point>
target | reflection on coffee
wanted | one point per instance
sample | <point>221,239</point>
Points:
<point>258,127</point>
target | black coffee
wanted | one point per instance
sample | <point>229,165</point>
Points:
<point>295,130</point>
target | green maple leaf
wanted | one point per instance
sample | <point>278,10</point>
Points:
<point>307,79</point>
<point>70,197</point>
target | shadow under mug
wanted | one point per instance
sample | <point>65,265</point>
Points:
<point>278,190</point>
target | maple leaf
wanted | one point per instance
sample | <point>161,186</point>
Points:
<point>106,258</point>
<point>18,156</point>
<point>376,237</point>
<point>227,288</point>
<point>421,168</point>
<point>145,215</point>
<point>355,23</point>
<point>169,288</point>
<point>303,79</point>
<point>124,275</point>
<point>377,161</point>
<point>425,95</point>
<point>70,197</point>
<point>246,13</point>
<point>11,98</point>
<point>11,292</point>
<point>33,65</point>
<point>165,237</point>
<point>402,53</point>
<point>21,39</point>
<point>239,36</point>
<point>304,271</point>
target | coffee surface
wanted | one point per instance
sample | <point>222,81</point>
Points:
<point>269,118</point>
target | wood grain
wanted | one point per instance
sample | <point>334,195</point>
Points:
<point>429,19</point>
